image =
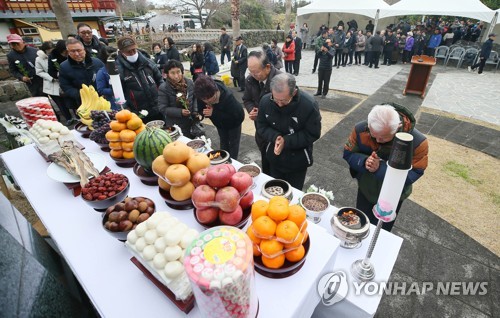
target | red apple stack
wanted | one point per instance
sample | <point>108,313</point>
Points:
<point>221,194</point>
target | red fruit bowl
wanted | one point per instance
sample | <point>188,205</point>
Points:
<point>240,225</point>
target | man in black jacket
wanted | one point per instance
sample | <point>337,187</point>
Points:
<point>22,64</point>
<point>485,54</point>
<point>290,122</point>
<point>225,46</point>
<point>325,56</point>
<point>376,43</point>
<point>80,68</point>
<point>140,79</point>
<point>91,43</point>
<point>239,64</point>
<point>298,52</point>
<point>258,83</point>
<point>389,45</point>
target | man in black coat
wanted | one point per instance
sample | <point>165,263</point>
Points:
<point>91,43</point>
<point>239,63</point>
<point>80,68</point>
<point>258,83</point>
<point>22,64</point>
<point>485,54</point>
<point>140,79</point>
<point>389,45</point>
<point>298,52</point>
<point>376,43</point>
<point>290,122</point>
<point>325,56</point>
<point>225,46</point>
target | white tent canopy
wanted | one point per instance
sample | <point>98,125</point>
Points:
<point>464,8</point>
<point>363,7</point>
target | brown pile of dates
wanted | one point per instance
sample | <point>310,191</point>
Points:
<point>125,216</point>
<point>104,186</point>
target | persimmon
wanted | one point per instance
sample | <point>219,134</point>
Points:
<point>138,130</point>
<point>128,146</point>
<point>112,136</point>
<point>115,153</point>
<point>117,126</point>
<point>127,135</point>
<point>123,115</point>
<point>128,154</point>
<point>117,145</point>
<point>134,123</point>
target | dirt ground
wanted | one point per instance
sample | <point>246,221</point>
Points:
<point>459,186</point>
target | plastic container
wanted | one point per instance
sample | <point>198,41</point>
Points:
<point>226,78</point>
<point>220,267</point>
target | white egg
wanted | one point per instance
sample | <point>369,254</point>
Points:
<point>140,244</point>
<point>160,245</point>
<point>141,229</point>
<point>159,261</point>
<point>173,269</point>
<point>45,132</point>
<point>64,131</point>
<point>54,136</point>
<point>149,252</point>
<point>150,236</point>
<point>172,253</point>
<point>43,140</point>
<point>189,236</point>
<point>132,237</point>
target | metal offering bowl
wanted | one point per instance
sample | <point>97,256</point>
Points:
<point>350,236</point>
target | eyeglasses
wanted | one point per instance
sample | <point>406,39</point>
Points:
<point>76,51</point>
<point>281,101</point>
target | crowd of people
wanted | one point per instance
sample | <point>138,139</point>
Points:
<point>287,119</point>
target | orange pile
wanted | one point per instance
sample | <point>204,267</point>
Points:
<point>176,166</point>
<point>122,134</point>
<point>278,231</point>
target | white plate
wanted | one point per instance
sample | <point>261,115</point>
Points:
<point>58,173</point>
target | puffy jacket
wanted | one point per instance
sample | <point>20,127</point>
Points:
<point>140,82</point>
<point>409,43</point>
<point>360,145</point>
<point>435,41</point>
<point>50,84</point>
<point>171,110</point>
<point>73,74</point>
<point>228,113</point>
<point>289,51</point>
<point>299,123</point>
<point>103,87</point>
<point>26,59</point>
<point>211,65</point>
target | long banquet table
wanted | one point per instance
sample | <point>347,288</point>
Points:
<point>118,289</point>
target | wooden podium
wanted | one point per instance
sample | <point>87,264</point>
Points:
<point>421,66</point>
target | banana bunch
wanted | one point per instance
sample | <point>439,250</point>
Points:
<point>90,101</point>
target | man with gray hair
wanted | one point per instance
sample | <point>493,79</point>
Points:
<point>289,121</point>
<point>367,151</point>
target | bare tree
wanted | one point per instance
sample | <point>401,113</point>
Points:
<point>63,17</point>
<point>288,6</point>
<point>209,7</point>
<point>235,17</point>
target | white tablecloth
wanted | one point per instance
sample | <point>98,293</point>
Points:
<point>101,263</point>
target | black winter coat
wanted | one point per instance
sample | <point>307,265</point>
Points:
<point>72,75</point>
<point>94,45</point>
<point>173,54</point>
<point>326,59</point>
<point>253,93</point>
<point>228,113</point>
<point>53,71</point>
<point>376,43</point>
<point>300,125</point>
<point>140,82</point>
<point>26,59</point>
<point>298,48</point>
<point>171,110</point>
<point>160,59</point>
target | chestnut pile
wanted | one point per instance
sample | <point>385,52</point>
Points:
<point>124,216</point>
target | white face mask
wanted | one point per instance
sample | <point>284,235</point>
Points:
<point>133,58</point>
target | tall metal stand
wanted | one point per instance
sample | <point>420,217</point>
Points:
<point>363,269</point>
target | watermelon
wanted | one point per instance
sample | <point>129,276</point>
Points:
<point>149,144</point>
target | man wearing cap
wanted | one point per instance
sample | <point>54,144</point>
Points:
<point>485,54</point>
<point>22,64</point>
<point>258,84</point>
<point>140,79</point>
<point>80,68</point>
<point>239,64</point>
<point>368,148</point>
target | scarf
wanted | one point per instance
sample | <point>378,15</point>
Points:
<point>180,87</point>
